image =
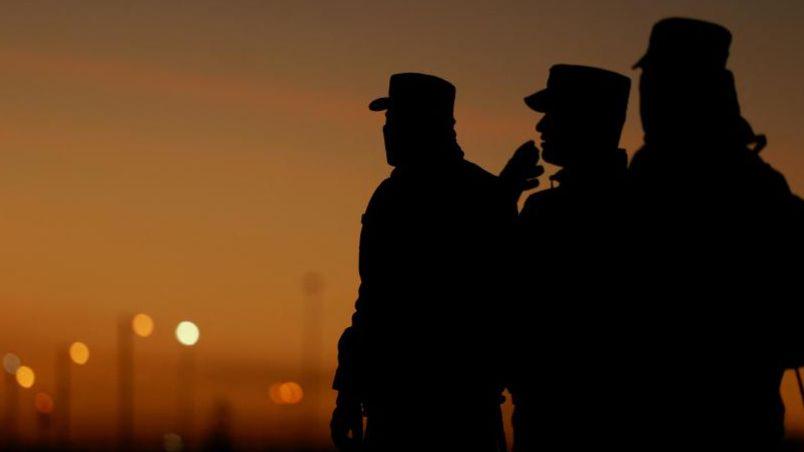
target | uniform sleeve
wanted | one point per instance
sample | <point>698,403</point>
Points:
<point>507,269</point>
<point>793,311</point>
<point>350,374</point>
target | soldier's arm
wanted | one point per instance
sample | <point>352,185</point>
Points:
<point>505,269</point>
<point>349,376</point>
<point>522,172</point>
<point>793,311</point>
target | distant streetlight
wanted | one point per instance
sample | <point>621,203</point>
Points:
<point>25,376</point>
<point>11,363</point>
<point>79,353</point>
<point>172,442</point>
<point>187,333</point>
<point>43,403</point>
<point>286,393</point>
<point>142,325</point>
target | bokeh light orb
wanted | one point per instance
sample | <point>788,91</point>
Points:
<point>79,353</point>
<point>43,403</point>
<point>25,376</point>
<point>286,393</point>
<point>11,363</point>
<point>187,333</point>
<point>172,442</point>
<point>143,325</point>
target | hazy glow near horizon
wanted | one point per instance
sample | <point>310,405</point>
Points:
<point>211,161</point>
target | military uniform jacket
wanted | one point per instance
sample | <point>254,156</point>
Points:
<point>427,320</point>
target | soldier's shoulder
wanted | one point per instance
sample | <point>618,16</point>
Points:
<point>642,159</point>
<point>382,193</point>
<point>769,177</point>
<point>540,201</point>
<point>384,187</point>
<point>475,173</point>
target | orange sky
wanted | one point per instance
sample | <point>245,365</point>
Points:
<point>194,159</point>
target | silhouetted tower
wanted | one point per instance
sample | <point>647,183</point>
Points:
<point>312,287</point>
<point>219,435</point>
<point>125,382</point>
<point>11,414</point>
<point>63,397</point>
<point>185,396</point>
<point>187,334</point>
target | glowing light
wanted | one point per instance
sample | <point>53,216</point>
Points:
<point>79,353</point>
<point>11,363</point>
<point>286,393</point>
<point>172,442</point>
<point>143,325</point>
<point>187,333</point>
<point>43,403</point>
<point>25,376</point>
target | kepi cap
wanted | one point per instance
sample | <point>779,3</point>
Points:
<point>684,42</point>
<point>422,95</point>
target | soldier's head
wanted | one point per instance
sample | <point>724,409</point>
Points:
<point>685,89</point>
<point>584,112</point>
<point>419,121</point>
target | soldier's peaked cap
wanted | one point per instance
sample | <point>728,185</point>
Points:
<point>585,87</point>
<point>681,42</point>
<point>418,94</point>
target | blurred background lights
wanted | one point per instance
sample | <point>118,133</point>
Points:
<point>187,333</point>
<point>43,403</point>
<point>79,353</point>
<point>11,363</point>
<point>287,393</point>
<point>25,376</point>
<point>172,442</point>
<point>143,325</point>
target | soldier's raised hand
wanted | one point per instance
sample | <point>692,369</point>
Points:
<point>522,171</point>
<point>346,426</point>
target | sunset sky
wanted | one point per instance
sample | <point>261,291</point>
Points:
<point>193,160</point>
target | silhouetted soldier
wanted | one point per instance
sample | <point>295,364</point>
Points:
<point>566,339</point>
<point>422,356</point>
<point>715,243</point>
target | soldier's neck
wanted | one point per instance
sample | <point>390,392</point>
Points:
<point>423,158</point>
<point>608,166</point>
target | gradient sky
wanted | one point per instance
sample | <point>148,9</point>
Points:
<point>194,159</point>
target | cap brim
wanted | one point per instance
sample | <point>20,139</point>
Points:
<point>539,101</point>
<point>383,103</point>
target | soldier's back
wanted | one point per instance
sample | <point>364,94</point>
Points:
<point>574,356</point>
<point>432,263</point>
<point>709,237</point>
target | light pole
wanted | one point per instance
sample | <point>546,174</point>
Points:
<point>141,325</point>
<point>312,287</point>
<point>77,353</point>
<point>187,334</point>
<point>11,363</point>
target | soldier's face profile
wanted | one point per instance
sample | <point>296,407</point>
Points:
<point>397,138</point>
<point>553,144</point>
<point>391,143</point>
<point>569,134</point>
<point>645,102</point>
